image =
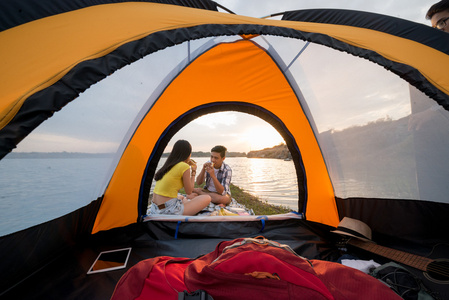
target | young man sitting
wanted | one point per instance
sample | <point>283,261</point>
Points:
<point>218,177</point>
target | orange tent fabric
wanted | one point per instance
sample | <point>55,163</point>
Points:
<point>238,72</point>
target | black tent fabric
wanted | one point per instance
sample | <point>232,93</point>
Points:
<point>14,13</point>
<point>398,27</point>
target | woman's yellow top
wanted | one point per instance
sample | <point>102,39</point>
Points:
<point>172,182</point>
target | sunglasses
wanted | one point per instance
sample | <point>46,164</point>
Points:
<point>441,24</point>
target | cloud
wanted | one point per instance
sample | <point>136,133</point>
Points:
<point>212,121</point>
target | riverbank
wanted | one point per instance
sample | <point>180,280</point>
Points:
<point>250,201</point>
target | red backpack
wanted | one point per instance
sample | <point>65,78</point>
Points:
<point>249,269</point>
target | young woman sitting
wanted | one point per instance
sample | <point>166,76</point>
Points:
<point>177,172</point>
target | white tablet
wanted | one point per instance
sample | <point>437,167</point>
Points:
<point>110,260</point>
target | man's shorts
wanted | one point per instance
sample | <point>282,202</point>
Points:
<point>173,206</point>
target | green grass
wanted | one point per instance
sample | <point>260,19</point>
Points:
<point>259,207</point>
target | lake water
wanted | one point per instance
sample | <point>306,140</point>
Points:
<point>33,191</point>
<point>273,180</point>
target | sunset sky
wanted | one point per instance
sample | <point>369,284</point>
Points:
<point>237,131</point>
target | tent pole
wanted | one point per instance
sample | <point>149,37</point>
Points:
<point>297,55</point>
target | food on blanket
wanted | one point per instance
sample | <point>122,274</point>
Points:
<point>225,212</point>
<point>234,208</point>
<point>243,213</point>
<point>238,209</point>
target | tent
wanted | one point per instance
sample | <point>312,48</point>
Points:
<point>346,98</point>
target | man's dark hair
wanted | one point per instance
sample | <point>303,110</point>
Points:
<point>219,149</point>
<point>436,8</point>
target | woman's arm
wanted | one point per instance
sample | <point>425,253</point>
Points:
<point>188,177</point>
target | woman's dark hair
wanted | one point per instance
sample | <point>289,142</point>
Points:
<point>180,152</point>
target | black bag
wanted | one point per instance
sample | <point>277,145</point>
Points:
<point>400,280</point>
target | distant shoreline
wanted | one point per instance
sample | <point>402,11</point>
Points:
<point>279,152</point>
<point>40,155</point>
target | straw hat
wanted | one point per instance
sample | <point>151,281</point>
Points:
<point>354,228</point>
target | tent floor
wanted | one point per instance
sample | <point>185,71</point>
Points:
<point>65,277</point>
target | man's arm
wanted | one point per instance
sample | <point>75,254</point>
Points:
<point>218,186</point>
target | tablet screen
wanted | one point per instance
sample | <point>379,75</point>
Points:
<point>110,260</point>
